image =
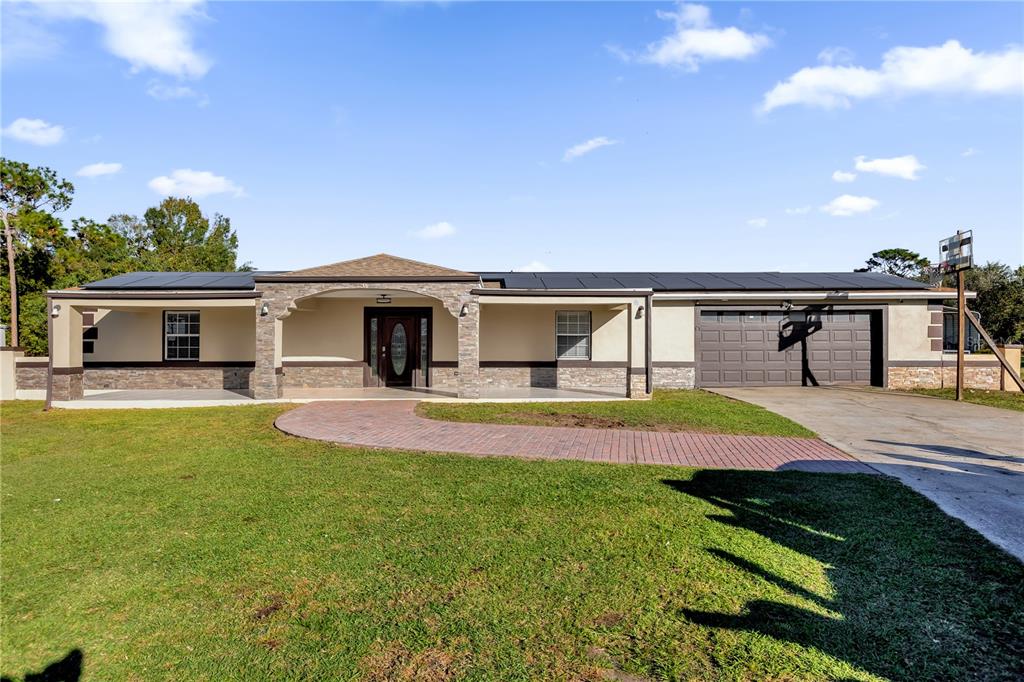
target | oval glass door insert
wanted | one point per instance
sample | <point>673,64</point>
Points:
<point>399,348</point>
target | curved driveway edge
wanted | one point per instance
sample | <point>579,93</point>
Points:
<point>395,425</point>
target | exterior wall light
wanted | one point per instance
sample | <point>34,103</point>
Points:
<point>787,305</point>
<point>464,310</point>
<point>384,299</point>
<point>55,311</point>
<point>640,312</point>
<point>264,309</point>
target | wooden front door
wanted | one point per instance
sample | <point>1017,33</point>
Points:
<point>399,344</point>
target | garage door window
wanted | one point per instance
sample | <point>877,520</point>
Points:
<point>572,334</point>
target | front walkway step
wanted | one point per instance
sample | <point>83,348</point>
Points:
<point>395,425</point>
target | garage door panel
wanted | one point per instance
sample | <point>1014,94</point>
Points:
<point>742,348</point>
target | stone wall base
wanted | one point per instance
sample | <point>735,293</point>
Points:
<point>638,386</point>
<point>674,377</point>
<point>67,387</point>
<point>590,378</point>
<point>518,377</point>
<point>445,378</point>
<point>986,378</point>
<point>30,377</point>
<point>157,378</point>
<point>321,377</point>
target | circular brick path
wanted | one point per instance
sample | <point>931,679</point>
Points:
<point>394,424</point>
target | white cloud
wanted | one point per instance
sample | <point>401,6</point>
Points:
<point>163,91</point>
<point>188,182</point>
<point>590,145</point>
<point>799,210</point>
<point>758,222</point>
<point>35,131</point>
<point>696,40</point>
<point>905,167</point>
<point>949,68</point>
<point>847,205</point>
<point>532,266</point>
<point>94,170</point>
<point>153,35</point>
<point>835,55</point>
<point>435,231</point>
<point>970,151</point>
<point>844,176</point>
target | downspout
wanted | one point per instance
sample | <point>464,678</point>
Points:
<point>49,354</point>
<point>648,325</point>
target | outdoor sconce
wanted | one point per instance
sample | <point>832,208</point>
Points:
<point>264,309</point>
<point>787,305</point>
<point>640,313</point>
<point>384,299</point>
<point>465,310</point>
<point>55,311</point>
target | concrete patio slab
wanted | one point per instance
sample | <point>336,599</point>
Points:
<point>968,459</point>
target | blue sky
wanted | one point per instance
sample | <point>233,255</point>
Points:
<point>609,136</point>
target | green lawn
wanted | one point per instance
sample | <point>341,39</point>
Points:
<point>203,544</point>
<point>668,410</point>
<point>1003,399</point>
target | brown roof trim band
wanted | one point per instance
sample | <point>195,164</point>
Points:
<point>270,279</point>
<point>121,295</point>
<point>570,292</point>
<point>165,364</point>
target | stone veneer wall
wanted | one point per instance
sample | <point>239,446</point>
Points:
<point>591,377</point>
<point>674,377</point>
<point>67,386</point>
<point>159,378</point>
<point>518,377</point>
<point>444,378</point>
<point>939,377</point>
<point>30,376</point>
<point>324,376</point>
<point>638,385</point>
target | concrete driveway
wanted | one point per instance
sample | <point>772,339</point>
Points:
<point>968,459</point>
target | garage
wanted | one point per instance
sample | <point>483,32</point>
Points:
<point>777,348</point>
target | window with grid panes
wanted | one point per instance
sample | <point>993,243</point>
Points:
<point>181,335</point>
<point>572,334</point>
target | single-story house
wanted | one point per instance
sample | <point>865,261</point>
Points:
<point>388,321</point>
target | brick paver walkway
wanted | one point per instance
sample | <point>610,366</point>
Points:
<point>394,424</point>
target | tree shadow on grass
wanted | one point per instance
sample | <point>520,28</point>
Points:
<point>916,594</point>
<point>67,669</point>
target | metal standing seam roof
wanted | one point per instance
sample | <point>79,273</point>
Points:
<point>657,281</point>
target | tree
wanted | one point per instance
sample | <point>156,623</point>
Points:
<point>26,195</point>
<point>177,236</point>
<point>899,262</point>
<point>1000,301</point>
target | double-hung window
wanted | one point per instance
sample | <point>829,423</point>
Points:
<point>181,335</point>
<point>572,334</point>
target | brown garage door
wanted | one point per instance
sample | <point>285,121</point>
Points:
<point>759,348</point>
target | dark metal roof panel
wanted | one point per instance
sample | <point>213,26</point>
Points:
<point>704,281</point>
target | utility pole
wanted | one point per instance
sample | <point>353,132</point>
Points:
<point>961,324</point>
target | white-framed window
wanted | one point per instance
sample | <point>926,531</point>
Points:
<point>572,334</point>
<point>181,335</point>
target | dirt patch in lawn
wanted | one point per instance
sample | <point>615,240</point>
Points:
<point>394,661</point>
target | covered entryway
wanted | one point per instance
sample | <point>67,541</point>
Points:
<point>397,346</point>
<point>809,347</point>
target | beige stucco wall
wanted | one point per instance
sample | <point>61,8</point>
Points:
<point>527,332</point>
<point>672,332</point>
<point>225,335</point>
<point>332,328</point>
<point>908,332</point>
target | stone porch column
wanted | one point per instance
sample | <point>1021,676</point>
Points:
<point>264,382</point>
<point>469,348</point>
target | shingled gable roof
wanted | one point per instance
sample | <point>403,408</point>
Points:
<point>381,267</point>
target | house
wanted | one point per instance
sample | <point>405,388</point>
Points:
<point>388,321</point>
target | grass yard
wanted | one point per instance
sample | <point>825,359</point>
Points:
<point>668,410</point>
<point>201,544</point>
<point>1003,399</point>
